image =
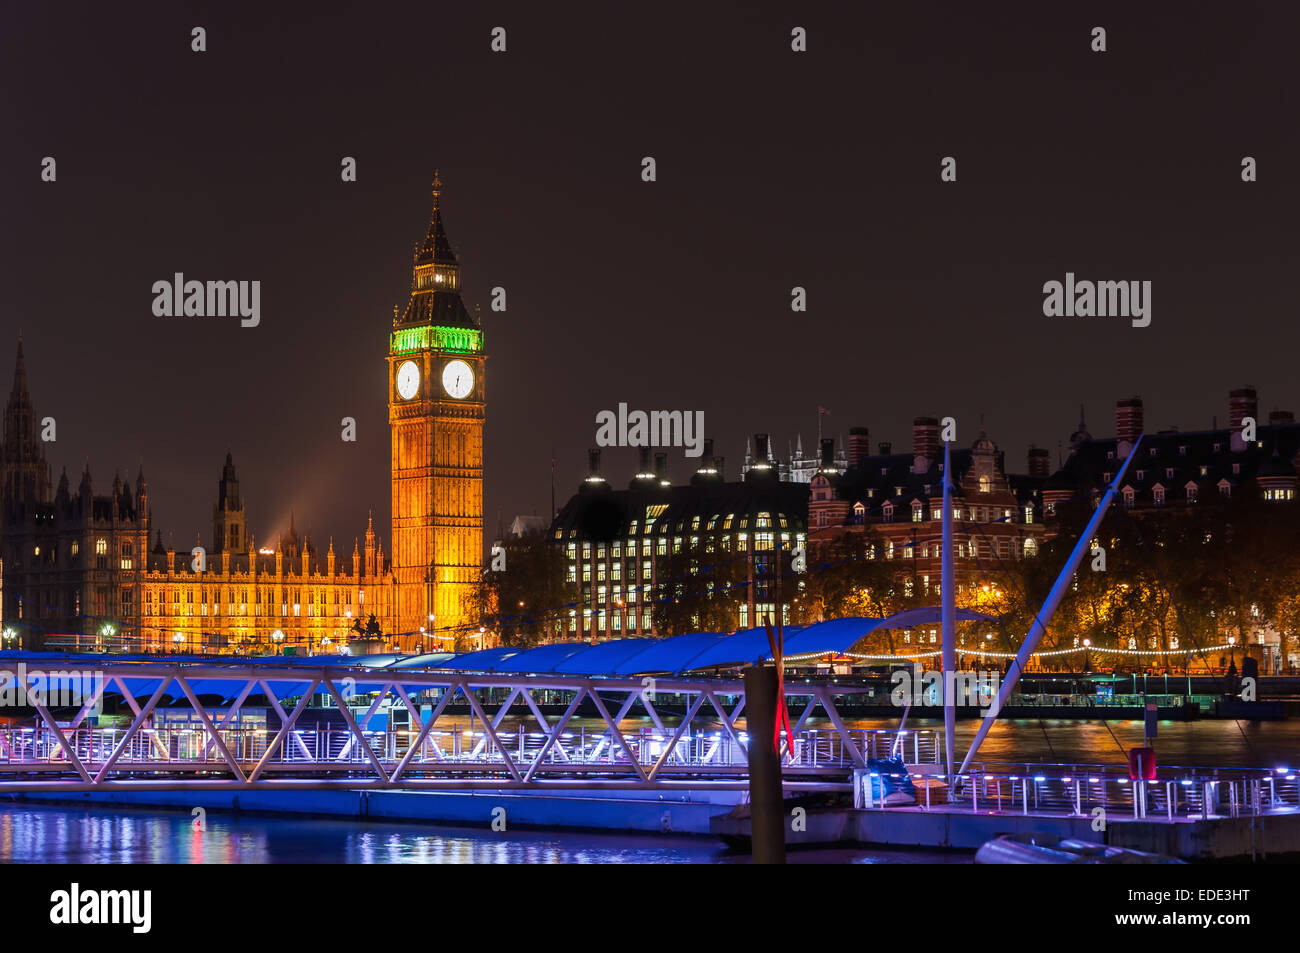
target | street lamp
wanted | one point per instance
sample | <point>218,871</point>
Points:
<point>178,639</point>
<point>1086,644</point>
<point>277,637</point>
<point>11,635</point>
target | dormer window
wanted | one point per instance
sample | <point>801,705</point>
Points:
<point>986,485</point>
<point>1159,493</point>
<point>1152,451</point>
<point>858,509</point>
<point>1191,492</point>
<point>1128,497</point>
<point>1142,475</point>
<point>1169,473</point>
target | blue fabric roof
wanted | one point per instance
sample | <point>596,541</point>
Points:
<point>602,658</point>
<point>540,660</point>
<point>481,661</point>
<point>745,647</point>
<point>667,655</point>
<point>615,658</point>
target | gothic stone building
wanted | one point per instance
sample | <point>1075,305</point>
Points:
<point>78,572</point>
<point>78,569</point>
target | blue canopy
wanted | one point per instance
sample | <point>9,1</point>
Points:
<point>601,659</point>
<point>542,659</point>
<point>744,648</point>
<point>614,658</point>
<point>667,655</point>
<point>481,661</point>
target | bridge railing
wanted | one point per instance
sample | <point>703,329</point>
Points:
<point>178,748</point>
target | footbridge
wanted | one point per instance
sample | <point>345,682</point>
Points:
<point>404,722</point>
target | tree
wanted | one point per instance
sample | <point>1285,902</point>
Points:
<point>527,602</point>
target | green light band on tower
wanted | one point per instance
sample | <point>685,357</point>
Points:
<point>462,340</point>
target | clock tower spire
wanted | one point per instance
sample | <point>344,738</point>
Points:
<point>436,405</point>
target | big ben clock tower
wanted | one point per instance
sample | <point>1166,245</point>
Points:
<point>436,411</point>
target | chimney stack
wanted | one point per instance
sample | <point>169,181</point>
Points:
<point>1040,462</point>
<point>925,443</point>
<point>828,453</point>
<point>760,468</point>
<point>1128,424</point>
<point>708,465</point>
<point>593,466</point>
<point>644,476</point>
<point>661,469</point>
<point>859,445</point>
<point>1280,417</point>
<point>1242,403</point>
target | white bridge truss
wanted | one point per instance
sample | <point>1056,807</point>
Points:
<point>702,740</point>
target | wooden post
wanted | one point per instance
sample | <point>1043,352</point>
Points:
<point>766,806</point>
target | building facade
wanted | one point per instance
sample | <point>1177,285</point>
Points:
<point>708,543</point>
<point>997,517</point>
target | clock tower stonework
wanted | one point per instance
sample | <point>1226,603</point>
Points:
<point>436,409</point>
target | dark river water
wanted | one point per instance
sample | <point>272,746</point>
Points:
<point>39,834</point>
<point>32,833</point>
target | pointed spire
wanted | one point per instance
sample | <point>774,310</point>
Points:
<point>20,371</point>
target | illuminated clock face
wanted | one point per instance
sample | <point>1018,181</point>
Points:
<point>408,380</point>
<point>457,379</point>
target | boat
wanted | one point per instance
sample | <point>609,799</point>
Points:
<point>1050,849</point>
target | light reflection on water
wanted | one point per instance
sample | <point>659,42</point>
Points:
<point>86,835</point>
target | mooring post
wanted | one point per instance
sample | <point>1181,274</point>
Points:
<point>766,807</point>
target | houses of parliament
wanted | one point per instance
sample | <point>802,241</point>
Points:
<point>83,570</point>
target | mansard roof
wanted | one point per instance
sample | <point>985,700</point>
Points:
<point>599,513</point>
<point>1272,454</point>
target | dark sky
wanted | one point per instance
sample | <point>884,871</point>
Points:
<point>775,169</point>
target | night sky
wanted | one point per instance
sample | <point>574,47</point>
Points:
<point>775,169</point>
